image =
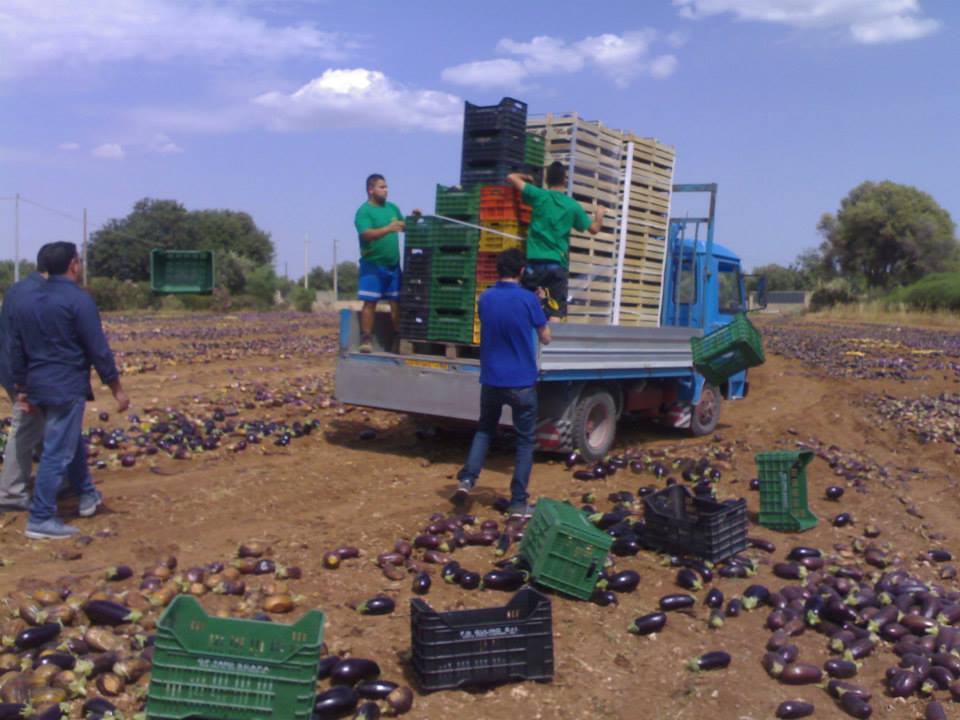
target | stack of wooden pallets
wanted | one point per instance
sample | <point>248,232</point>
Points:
<point>645,208</point>
<point>615,275</point>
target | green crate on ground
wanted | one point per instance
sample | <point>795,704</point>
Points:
<point>727,350</point>
<point>565,550</point>
<point>228,669</point>
<point>181,271</point>
<point>458,202</point>
<point>534,150</point>
<point>783,490</point>
<point>455,261</point>
<point>453,293</point>
<point>450,325</point>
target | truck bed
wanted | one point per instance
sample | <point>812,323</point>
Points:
<point>450,388</point>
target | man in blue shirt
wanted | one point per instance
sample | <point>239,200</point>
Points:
<point>509,315</point>
<point>57,336</point>
<point>26,429</point>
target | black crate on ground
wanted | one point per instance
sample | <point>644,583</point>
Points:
<point>483,647</point>
<point>508,114</point>
<point>679,522</point>
<point>414,321</point>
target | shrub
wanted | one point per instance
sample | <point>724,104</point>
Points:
<point>302,299</point>
<point>827,297</point>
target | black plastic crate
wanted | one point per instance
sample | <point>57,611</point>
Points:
<point>679,522</point>
<point>508,114</point>
<point>500,147</point>
<point>414,322</point>
<point>417,261</point>
<point>483,647</point>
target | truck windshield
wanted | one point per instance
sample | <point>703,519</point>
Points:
<point>729,288</point>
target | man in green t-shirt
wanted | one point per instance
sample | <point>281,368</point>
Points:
<point>548,238</point>
<point>378,222</point>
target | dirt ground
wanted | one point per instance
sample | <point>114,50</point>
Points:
<point>340,486</point>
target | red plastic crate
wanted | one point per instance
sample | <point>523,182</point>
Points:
<point>487,268</point>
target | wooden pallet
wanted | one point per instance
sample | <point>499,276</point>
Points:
<point>440,349</point>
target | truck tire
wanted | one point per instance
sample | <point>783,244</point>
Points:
<point>595,424</point>
<point>705,416</point>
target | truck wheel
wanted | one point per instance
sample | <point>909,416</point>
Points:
<point>705,416</point>
<point>595,424</point>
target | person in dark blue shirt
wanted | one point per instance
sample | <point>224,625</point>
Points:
<point>510,321</point>
<point>26,429</point>
<point>57,336</point>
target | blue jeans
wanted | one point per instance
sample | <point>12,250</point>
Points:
<point>64,453</point>
<point>523,403</point>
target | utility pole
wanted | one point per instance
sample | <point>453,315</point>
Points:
<point>286,275</point>
<point>84,247</point>
<point>335,293</point>
<point>306,261</point>
<point>16,238</point>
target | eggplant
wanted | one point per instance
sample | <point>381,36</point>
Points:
<point>838,688</point>
<point>119,572</point>
<point>11,711</point>
<point>97,707</point>
<point>755,595</point>
<point>63,660</point>
<point>773,663</point>
<point>378,605</point>
<point>789,571</point>
<point>625,546</point>
<point>840,669</point>
<point>855,706</point>
<point>834,492</point>
<point>583,475</point>
<point>714,598</point>
<point>335,702</point>
<point>450,572</point>
<point>940,677</point>
<point>903,683</point>
<point>799,673</point>
<point>468,580</point>
<point>688,579</point>
<point>353,670</point>
<point>624,581</point>
<point>648,624</point>
<point>792,709</point>
<point>603,598</point>
<point>400,700</point>
<point>503,544</point>
<point>574,458</point>
<point>106,612</point>
<point>934,711</point>
<point>421,583</point>
<point>36,636</point>
<point>761,544</point>
<point>367,711</point>
<point>800,552</point>
<point>733,607</point>
<point>939,555</point>
<point>326,666</point>
<point>677,601</point>
<point>716,619</point>
<point>507,580</point>
<point>842,520</point>
<point>715,660</point>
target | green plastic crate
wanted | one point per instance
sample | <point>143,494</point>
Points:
<point>565,550</point>
<point>420,232</point>
<point>228,669</point>
<point>450,325</point>
<point>429,232</point>
<point>453,262</point>
<point>457,202</point>
<point>534,150</point>
<point>453,293</point>
<point>783,490</point>
<point>182,271</point>
<point>727,350</point>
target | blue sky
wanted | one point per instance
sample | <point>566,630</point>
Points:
<point>282,107</point>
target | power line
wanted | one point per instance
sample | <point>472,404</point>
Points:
<point>62,213</point>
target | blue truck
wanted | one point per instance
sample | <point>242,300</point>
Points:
<point>590,376</point>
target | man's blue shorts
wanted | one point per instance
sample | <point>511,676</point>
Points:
<point>377,282</point>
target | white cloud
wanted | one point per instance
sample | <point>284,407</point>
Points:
<point>69,146</point>
<point>163,145</point>
<point>621,57</point>
<point>62,33</point>
<point>108,151</point>
<point>868,21</point>
<point>359,97</point>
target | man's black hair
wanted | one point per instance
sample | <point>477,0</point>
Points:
<point>556,174</point>
<point>371,179</point>
<point>58,257</point>
<point>510,263</point>
<point>42,258</point>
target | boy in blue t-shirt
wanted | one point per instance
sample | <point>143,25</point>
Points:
<point>509,315</point>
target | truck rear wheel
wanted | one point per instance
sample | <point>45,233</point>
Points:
<point>705,416</point>
<point>595,424</point>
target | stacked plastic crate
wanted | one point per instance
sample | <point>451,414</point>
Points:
<point>417,273</point>
<point>494,142</point>
<point>647,168</point>
<point>592,154</point>
<point>504,219</point>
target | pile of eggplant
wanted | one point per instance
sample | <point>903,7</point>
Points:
<point>83,647</point>
<point>357,690</point>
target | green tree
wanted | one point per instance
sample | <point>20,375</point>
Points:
<point>121,248</point>
<point>6,272</point>
<point>348,273</point>
<point>320,279</point>
<point>780,277</point>
<point>262,285</point>
<point>302,299</point>
<point>888,234</point>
